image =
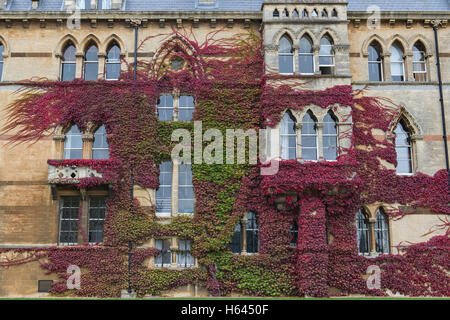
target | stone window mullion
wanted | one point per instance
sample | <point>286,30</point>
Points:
<point>408,66</point>
<point>176,104</point>
<point>372,222</point>
<point>101,65</point>
<point>296,48</point>
<point>173,250</point>
<point>244,235</point>
<point>88,140</point>
<point>79,64</point>
<point>387,67</point>
<point>319,127</point>
<point>316,49</point>
<point>175,171</point>
<point>298,131</point>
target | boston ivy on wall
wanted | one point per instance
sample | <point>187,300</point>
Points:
<point>232,93</point>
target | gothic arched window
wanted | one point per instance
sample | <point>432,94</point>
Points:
<point>419,62</point>
<point>326,55</point>
<point>113,62</point>
<point>285,55</point>
<point>91,63</point>
<point>363,232</point>
<point>73,145</point>
<point>403,148</point>
<point>381,232</point>
<point>68,63</point>
<point>330,137</point>
<point>309,137</point>
<point>288,137</point>
<point>375,62</point>
<point>100,145</point>
<point>397,62</point>
<point>306,55</point>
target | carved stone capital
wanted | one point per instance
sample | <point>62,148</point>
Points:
<point>87,137</point>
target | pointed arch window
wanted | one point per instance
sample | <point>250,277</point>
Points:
<point>334,13</point>
<point>403,148</point>
<point>306,56</point>
<point>246,233</point>
<point>305,13</point>
<point>326,55</point>
<point>276,13</point>
<point>91,63</point>
<point>164,192</point>
<point>294,233</point>
<point>381,232</point>
<point>285,13</point>
<point>288,136</point>
<point>252,233</point>
<point>419,62</point>
<point>236,239</point>
<point>295,13</point>
<point>73,145</point>
<point>285,55</point>
<point>375,62</point>
<point>329,135</point>
<point>397,62</point>
<point>100,148</point>
<point>363,232</point>
<point>309,137</point>
<point>113,62</point>
<point>2,49</point>
<point>68,63</point>
<point>324,13</point>
<point>314,13</point>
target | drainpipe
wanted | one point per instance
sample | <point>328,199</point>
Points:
<point>436,24</point>
<point>136,24</point>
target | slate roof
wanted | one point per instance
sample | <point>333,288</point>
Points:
<point>237,5</point>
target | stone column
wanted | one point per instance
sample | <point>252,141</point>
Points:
<point>296,48</point>
<point>312,248</point>
<point>59,145</point>
<point>316,49</point>
<point>88,139</point>
<point>298,131</point>
<point>83,235</point>
<point>79,64</point>
<point>408,66</point>
<point>101,65</point>
<point>373,250</point>
<point>244,235</point>
<point>319,127</point>
<point>174,249</point>
<point>387,67</point>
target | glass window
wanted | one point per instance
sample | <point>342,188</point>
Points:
<point>403,149</point>
<point>68,63</point>
<point>314,13</point>
<point>97,215</point>
<point>185,189</point>
<point>324,13</point>
<point>184,256</point>
<point>288,137</point>
<point>294,233</point>
<point>2,49</point>
<point>326,55</point>
<point>186,108</point>
<point>334,13</point>
<point>91,63</point>
<point>329,136</point>
<point>176,64</point>
<point>164,258</point>
<point>295,13</point>
<point>164,192</point>
<point>381,233</point>
<point>68,222</point>
<point>362,226</point>
<point>285,56</point>
<point>73,145</point>
<point>252,233</point>
<point>100,146</point>
<point>375,62</point>
<point>419,62</point>
<point>113,63</point>
<point>305,13</point>
<point>276,14</point>
<point>165,107</point>
<point>309,137</point>
<point>397,65</point>
<point>103,4</point>
<point>306,56</point>
<point>285,13</point>
<point>236,239</point>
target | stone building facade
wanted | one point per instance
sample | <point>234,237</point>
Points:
<point>34,35</point>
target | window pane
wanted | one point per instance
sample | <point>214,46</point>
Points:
<point>309,154</point>
<point>381,233</point>
<point>90,70</point>
<point>236,239</point>
<point>73,144</point>
<point>69,215</point>
<point>186,108</point>
<point>286,64</point>
<point>165,107</point>
<point>68,71</point>
<point>309,141</point>
<point>306,63</point>
<point>285,45</point>
<point>97,214</point>
<point>362,233</point>
<point>164,192</point>
<point>112,71</point>
<point>375,72</point>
